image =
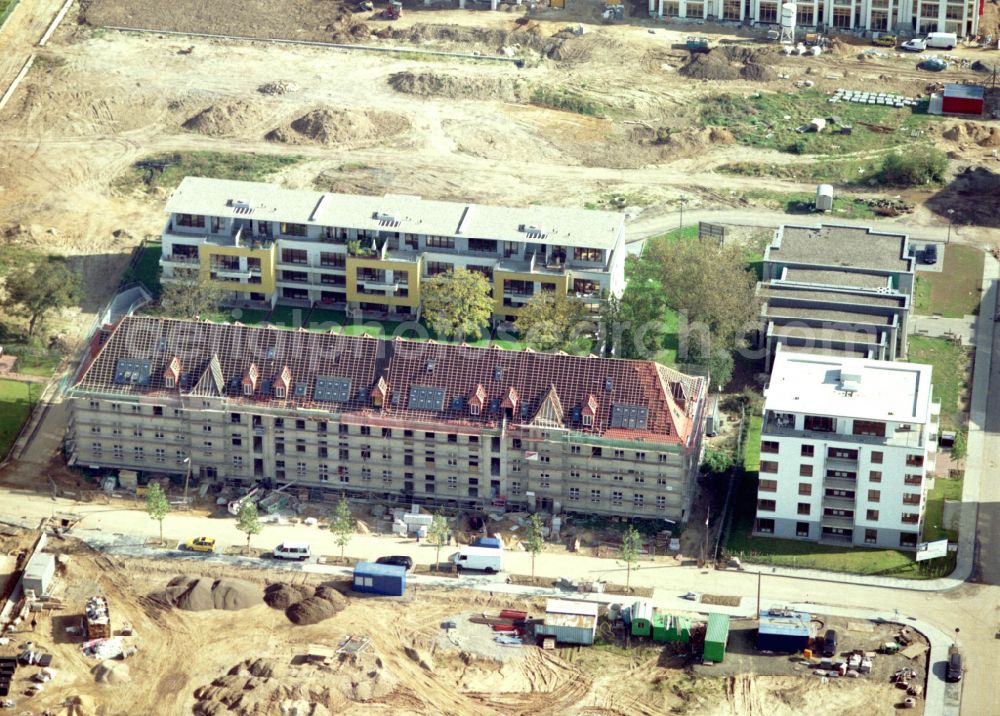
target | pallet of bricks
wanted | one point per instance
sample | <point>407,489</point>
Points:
<point>98,619</point>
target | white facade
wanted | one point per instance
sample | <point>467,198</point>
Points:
<point>846,449</point>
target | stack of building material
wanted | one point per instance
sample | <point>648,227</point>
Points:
<point>98,618</point>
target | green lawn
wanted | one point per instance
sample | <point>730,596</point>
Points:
<point>842,172</point>
<point>248,316</point>
<point>751,445</point>
<point>950,375</point>
<point>759,120</point>
<point>40,363</point>
<point>669,339</point>
<point>955,291</point>
<point>16,401</point>
<point>944,489</point>
<point>288,317</point>
<point>804,203</point>
<point>218,165</point>
<point>147,269</point>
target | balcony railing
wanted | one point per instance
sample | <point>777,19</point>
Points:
<point>181,259</point>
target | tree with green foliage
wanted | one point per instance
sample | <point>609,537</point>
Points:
<point>717,460</point>
<point>157,506</point>
<point>927,166</point>
<point>533,540</point>
<point>35,292</point>
<point>960,447</point>
<point>458,303</point>
<point>342,525</point>
<point>634,322</point>
<point>551,321</point>
<point>190,298</point>
<point>629,551</point>
<point>439,534</point>
<point>248,521</point>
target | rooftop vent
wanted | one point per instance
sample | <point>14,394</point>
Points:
<point>850,382</point>
<point>384,219</point>
<point>239,206</point>
<point>431,365</point>
<point>608,384</point>
<point>531,231</point>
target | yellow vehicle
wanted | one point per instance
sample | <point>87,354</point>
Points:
<point>201,544</point>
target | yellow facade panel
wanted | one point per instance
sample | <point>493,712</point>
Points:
<point>560,282</point>
<point>267,262</point>
<point>410,268</point>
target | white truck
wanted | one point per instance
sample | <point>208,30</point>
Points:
<point>935,40</point>
<point>484,559</point>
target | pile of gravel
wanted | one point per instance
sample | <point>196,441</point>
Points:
<point>199,594</point>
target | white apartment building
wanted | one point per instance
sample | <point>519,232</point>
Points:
<point>264,244</point>
<point>908,16</point>
<point>847,447</point>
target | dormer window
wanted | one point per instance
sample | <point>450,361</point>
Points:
<point>169,381</point>
<point>588,420</point>
<point>474,408</point>
<point>279,391</point>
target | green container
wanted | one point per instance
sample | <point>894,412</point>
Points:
<point>642,619</point>
<point>680,630</point>
<point>716,636</point>
<point>661,627</point>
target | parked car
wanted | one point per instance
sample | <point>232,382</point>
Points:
<point>201,544</point>
<point>930,255</point>
<point>398,560</point>
<point>917,44</point>
<point>884,39</point>
<point>830,643</point>
<point>954,673</point>
<point>292,550</point>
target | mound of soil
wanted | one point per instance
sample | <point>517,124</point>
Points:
<point>111,673</point>
<point>329,594</point>
<point>434,84</point>
<point>421,33</point>
<point>224,119</point>
<point>310,610</point>
<point>282,596</point>
<point>973,133</point>
<point>732,62</point>
<point>198,594</point>
<point>334,126</point>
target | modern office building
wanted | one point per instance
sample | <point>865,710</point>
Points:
<point>264,244</point>
<point>839,290</point>
<point>847,450</point>
<point>904,16</point>
<point>390,420</point>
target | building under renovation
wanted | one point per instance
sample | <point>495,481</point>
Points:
<point>391,420</point>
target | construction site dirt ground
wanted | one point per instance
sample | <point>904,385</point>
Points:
<point>96,101</point>
<point>253,660</point>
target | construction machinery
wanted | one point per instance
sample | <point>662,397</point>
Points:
<point>696,44</point>
<point>816,39</point>
<point>393,11</point>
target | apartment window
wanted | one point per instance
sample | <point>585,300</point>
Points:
<point>158,410</point>
<point>119,451</point>
<point>191,220</point>
<point>344,454</point>
<point>805,470</point>
<point>801,529</point>
<point>440,242</point>
<point>876,457</point>
<point>544,458</point>
<point>871,536</point>
<point>595,452</point>
<point>324,473</point>
<point>136,408</point>
<point>137,452</point>
<point>574,449</point>
<point>869,427</point>
<point>437,267</point>
<point>429,436</point>
<point>574,474</point>
<point>819,424</point>
<point>588,420</point>
<point>595,476</point>
<point>910,498</point>
<point>874,495</point>
<point>915,460</point>
<point>584,254</point>
<point>661,502</point>
<point>96,448</point>
<point>804,508</point>
<point>908,539</point>
<point>206,428</point>
<point>169,382</point>
<point>238,462</point>
<point>618,478</point>
<point>808,450</point>
<point>544,480</point>
<point>913,480</point>
<point>871,515</point>
<point>595,495</point>
<point>842,454</point>
<point>452,482</point>
<point>300,468</point>
<point>515,488</point>
<point>842,474</point>
<point>516,443</point>
<point>639,478</point>
<point>289,229</point>
<point>637,500</point>
<point>662,457</point>
<point>160,455</point>
<point>769,446</point>
<point>574,494</point>
<point>237,441</point>
<point>875,476</point>
<point>805,488</point>
<point>343,429</point>
<point>95,429</point>
<point>116,406</point>
<point>764,525</point>
<point>94,405</point>
<point>387,432</point>
<point>768,466</point>
<point>474,440</point>
<point>619,454</point>
<point>616,497</point>
<point>765,505</point>
<point>366,474</point>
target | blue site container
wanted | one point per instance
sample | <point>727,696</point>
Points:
<point>387,579</point>
<point>490,542</point>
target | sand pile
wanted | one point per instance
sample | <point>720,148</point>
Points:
<point>973,133</point>
<point>111,673</point>
<point>492,39</point>
<point>363,677</point>
<point>334,126</point>
<point>502,88</point>
<point>198,594</point>
<point>304,605</point>
<point>731,62</point>
<point>224,119</point>
<point>566,46</point>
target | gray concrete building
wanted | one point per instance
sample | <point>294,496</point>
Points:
<point>389,420</point>
<point>836,290</point>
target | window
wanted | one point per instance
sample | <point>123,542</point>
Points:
<point>663,457</point>
<point>136,408</point>
<point>387,477</point>
<point>841,474</point>
<point>438,267</point>
<point>595,452</point>
<point>819,424</point>
<point>96,448</point>
<point>910,498</point>
<point>913,480</point>
<point>768,466</point>
<point>616,497</point>
<point>595,476</point>
<point>300,468</point>
<point>343,429</point>
<point>574,474</point>
<point>574,494</point>
<point>474,440</point>
<point>583,254</point>
<point>808,450</point>
<point>805,488</point>
<point>661,502</point>
<point>95,429</point>
<point>909,518</point>
<point>908,539</point>
<point>871,536</point>
<point>429,436</point>
<point>544,480</point>
<point>801,529</point>
<point>345,454</point>
<point>452,482</point>
<point>618,478</point>
<point>770,446</point>
<point>238,462</point>
<point>169,382</point>
<point>804,508</point>
<point>366,474</point>
<point>637,500</point>
<point>640,456</point>
<point>765,505</point>
<point>764,525</point>
<point>544,458</point>
<point>515,488</point>
<point>279,424</point>
<point>289,229</point>
<point>119,451</point>
<point>874,495</point>
<point>842,454</point>
<point>94,405</point>
<point>160,454</point>
<point>237,441</point>
<point>871,515</point>
<point>915,460</point>
<point>876,457</point>
<point>875,476</point>
<point>805,470</point>
<point>441,242</point>
<point>595,495</point>
<point>158,410</point>
<point>588,420</point>
<point>620,454</point>
<point>137,452</point>
<point>574,449</point>
<point>869,427</point>
<point>324,473</point>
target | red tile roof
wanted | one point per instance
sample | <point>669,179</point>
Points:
<point>511,385</point>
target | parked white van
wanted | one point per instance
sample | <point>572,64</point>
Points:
<point>292,550</point>
<point>486,559</point>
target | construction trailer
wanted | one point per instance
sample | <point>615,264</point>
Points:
<point>386,579</point>
<point>570,622</point>
<point>963,99</point>
<point>38,573</point>
<point>716,637</point>
<point>783,631</point>
<point>642,619</point>
<point>670,629</point>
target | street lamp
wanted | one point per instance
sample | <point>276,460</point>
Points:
<point>680,225</point>
<point>951,214</point>
<point>187,478</point>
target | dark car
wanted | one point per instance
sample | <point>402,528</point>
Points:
<point>830,643</point>
<point>930,254</point>
<point>397,560</point>
<point>954,673</point>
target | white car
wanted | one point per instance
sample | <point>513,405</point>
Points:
<point>917,44</point>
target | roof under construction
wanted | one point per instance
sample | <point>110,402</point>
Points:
<point>408,381</point>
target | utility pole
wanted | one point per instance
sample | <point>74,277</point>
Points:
<point>187,478</point>
<point>951,217</point>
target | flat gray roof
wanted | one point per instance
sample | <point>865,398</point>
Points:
<point>827,334</point>
<point>826,314</point>
<point>833,277</point>
<point>397,212</point>
<point>834,352</point>
<point>831,245</point>
<point>832,295</point>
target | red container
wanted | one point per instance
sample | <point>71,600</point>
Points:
<point>513,614</point>
<point>504,627</point>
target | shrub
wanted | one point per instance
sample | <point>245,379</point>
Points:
<point>925,167</point>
